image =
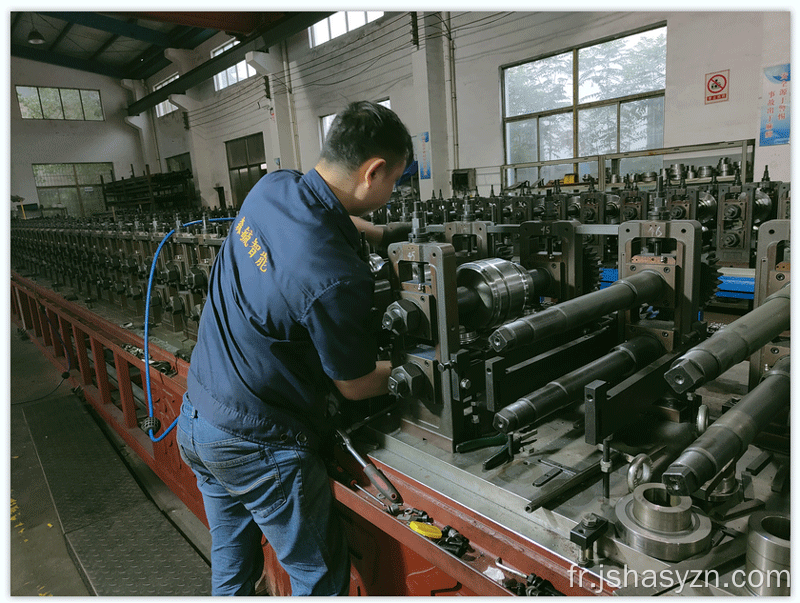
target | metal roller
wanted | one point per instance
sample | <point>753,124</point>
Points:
<point>731,434</point>
<point>622,295</point>
<point>493,290</point>
<point>731,345</point>
<point>490,291</point>
<point>661,525</point>
<point>768,558</point>
<point>623,360</point>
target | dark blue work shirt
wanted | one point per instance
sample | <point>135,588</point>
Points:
<point>287,310</point>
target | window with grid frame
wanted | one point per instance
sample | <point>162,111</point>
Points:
<point>38,102</point>
<point>246,164</point>
<point>237,73</point>
<point>75,187</point>
<point>339,24</point>
<point>165,107</point>
<point>603,98</point>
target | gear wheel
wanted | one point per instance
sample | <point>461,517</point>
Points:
<point>592,270</point>
<point>709,278</point>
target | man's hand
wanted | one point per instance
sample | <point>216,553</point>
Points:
<point>373,384</point>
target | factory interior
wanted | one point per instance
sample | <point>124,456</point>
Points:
<point>588,320</point>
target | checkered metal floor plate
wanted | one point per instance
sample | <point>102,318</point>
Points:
<point>119,539</point>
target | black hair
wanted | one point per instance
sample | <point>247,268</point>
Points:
<point>364,130</point>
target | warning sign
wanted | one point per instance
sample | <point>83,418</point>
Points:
<point>717,84</point>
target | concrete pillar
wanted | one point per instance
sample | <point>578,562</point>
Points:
<point>281,116</point>
<point>143,125</point>
<point>429,70</point>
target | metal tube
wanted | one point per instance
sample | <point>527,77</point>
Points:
<point>626,293</point>
<point>613,367</point>
<point>729,346</point>
<point>731,434</point>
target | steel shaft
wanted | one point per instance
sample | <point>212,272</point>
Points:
<point>626,293</point>
<point>731,434</point>
<point>737,341</point>
<point>613,367</point>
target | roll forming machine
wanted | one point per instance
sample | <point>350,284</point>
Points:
<point>545,436</point>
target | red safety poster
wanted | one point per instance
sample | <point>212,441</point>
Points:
<point>717,85</point>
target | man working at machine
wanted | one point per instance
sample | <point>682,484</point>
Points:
<point>287,314</point>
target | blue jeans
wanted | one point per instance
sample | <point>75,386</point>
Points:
<point>252,488</point>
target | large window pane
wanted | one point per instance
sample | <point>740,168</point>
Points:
<point>241,70</point>
<point>231,71</point>
<point>555,135</point>
<point>356,18</point>
<point>338,24</point>
<point>597,131</point>
<point>539,86</point>
<point>623,67</point>
<point>588,169</point>
<point>254,176</point>
<point>551,173</point>
<point>518,175</point>
<point>321,34</point>
<point>92,199</point>
<point>255,150</point>
<point>48,197</point>
<point>642,125</point>
<point>68,197</point>
<point>92,108</point>
<point>521,142</point>
<point>237,152</point>
<point>53,174</point>
<point>90,173</point>
<point>29,104</point>
<point>51,103</point>
<point>71,100</point>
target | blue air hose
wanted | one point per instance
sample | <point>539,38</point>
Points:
<point>147,327</point>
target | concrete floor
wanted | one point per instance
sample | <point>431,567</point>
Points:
<point>40,562</point>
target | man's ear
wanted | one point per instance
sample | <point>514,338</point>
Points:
<point>371,168</point>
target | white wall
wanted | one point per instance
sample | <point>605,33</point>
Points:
<point>742,46</point>
<point>485,41</point>
<point>60,141</point>
<point>379,61</point>
<point>371,63</point>
<point>214,118</point>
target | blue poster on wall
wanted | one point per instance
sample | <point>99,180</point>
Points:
<point>424,156</point>
<point>775,106</point>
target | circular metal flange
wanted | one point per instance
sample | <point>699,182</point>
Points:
<point>664,526</point>
<point>768,555</point>
<point>502,286</point>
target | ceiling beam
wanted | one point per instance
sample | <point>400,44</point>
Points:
<point>53,58</point>
<point>231,22</point>
<point>290,25</point>
<point>64,31</point>
<point>114,26</point>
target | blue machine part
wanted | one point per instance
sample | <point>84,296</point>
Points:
<point>739,287</point>
<point>608,276</point>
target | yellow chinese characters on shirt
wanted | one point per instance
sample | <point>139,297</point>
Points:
<point>253,247</point>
